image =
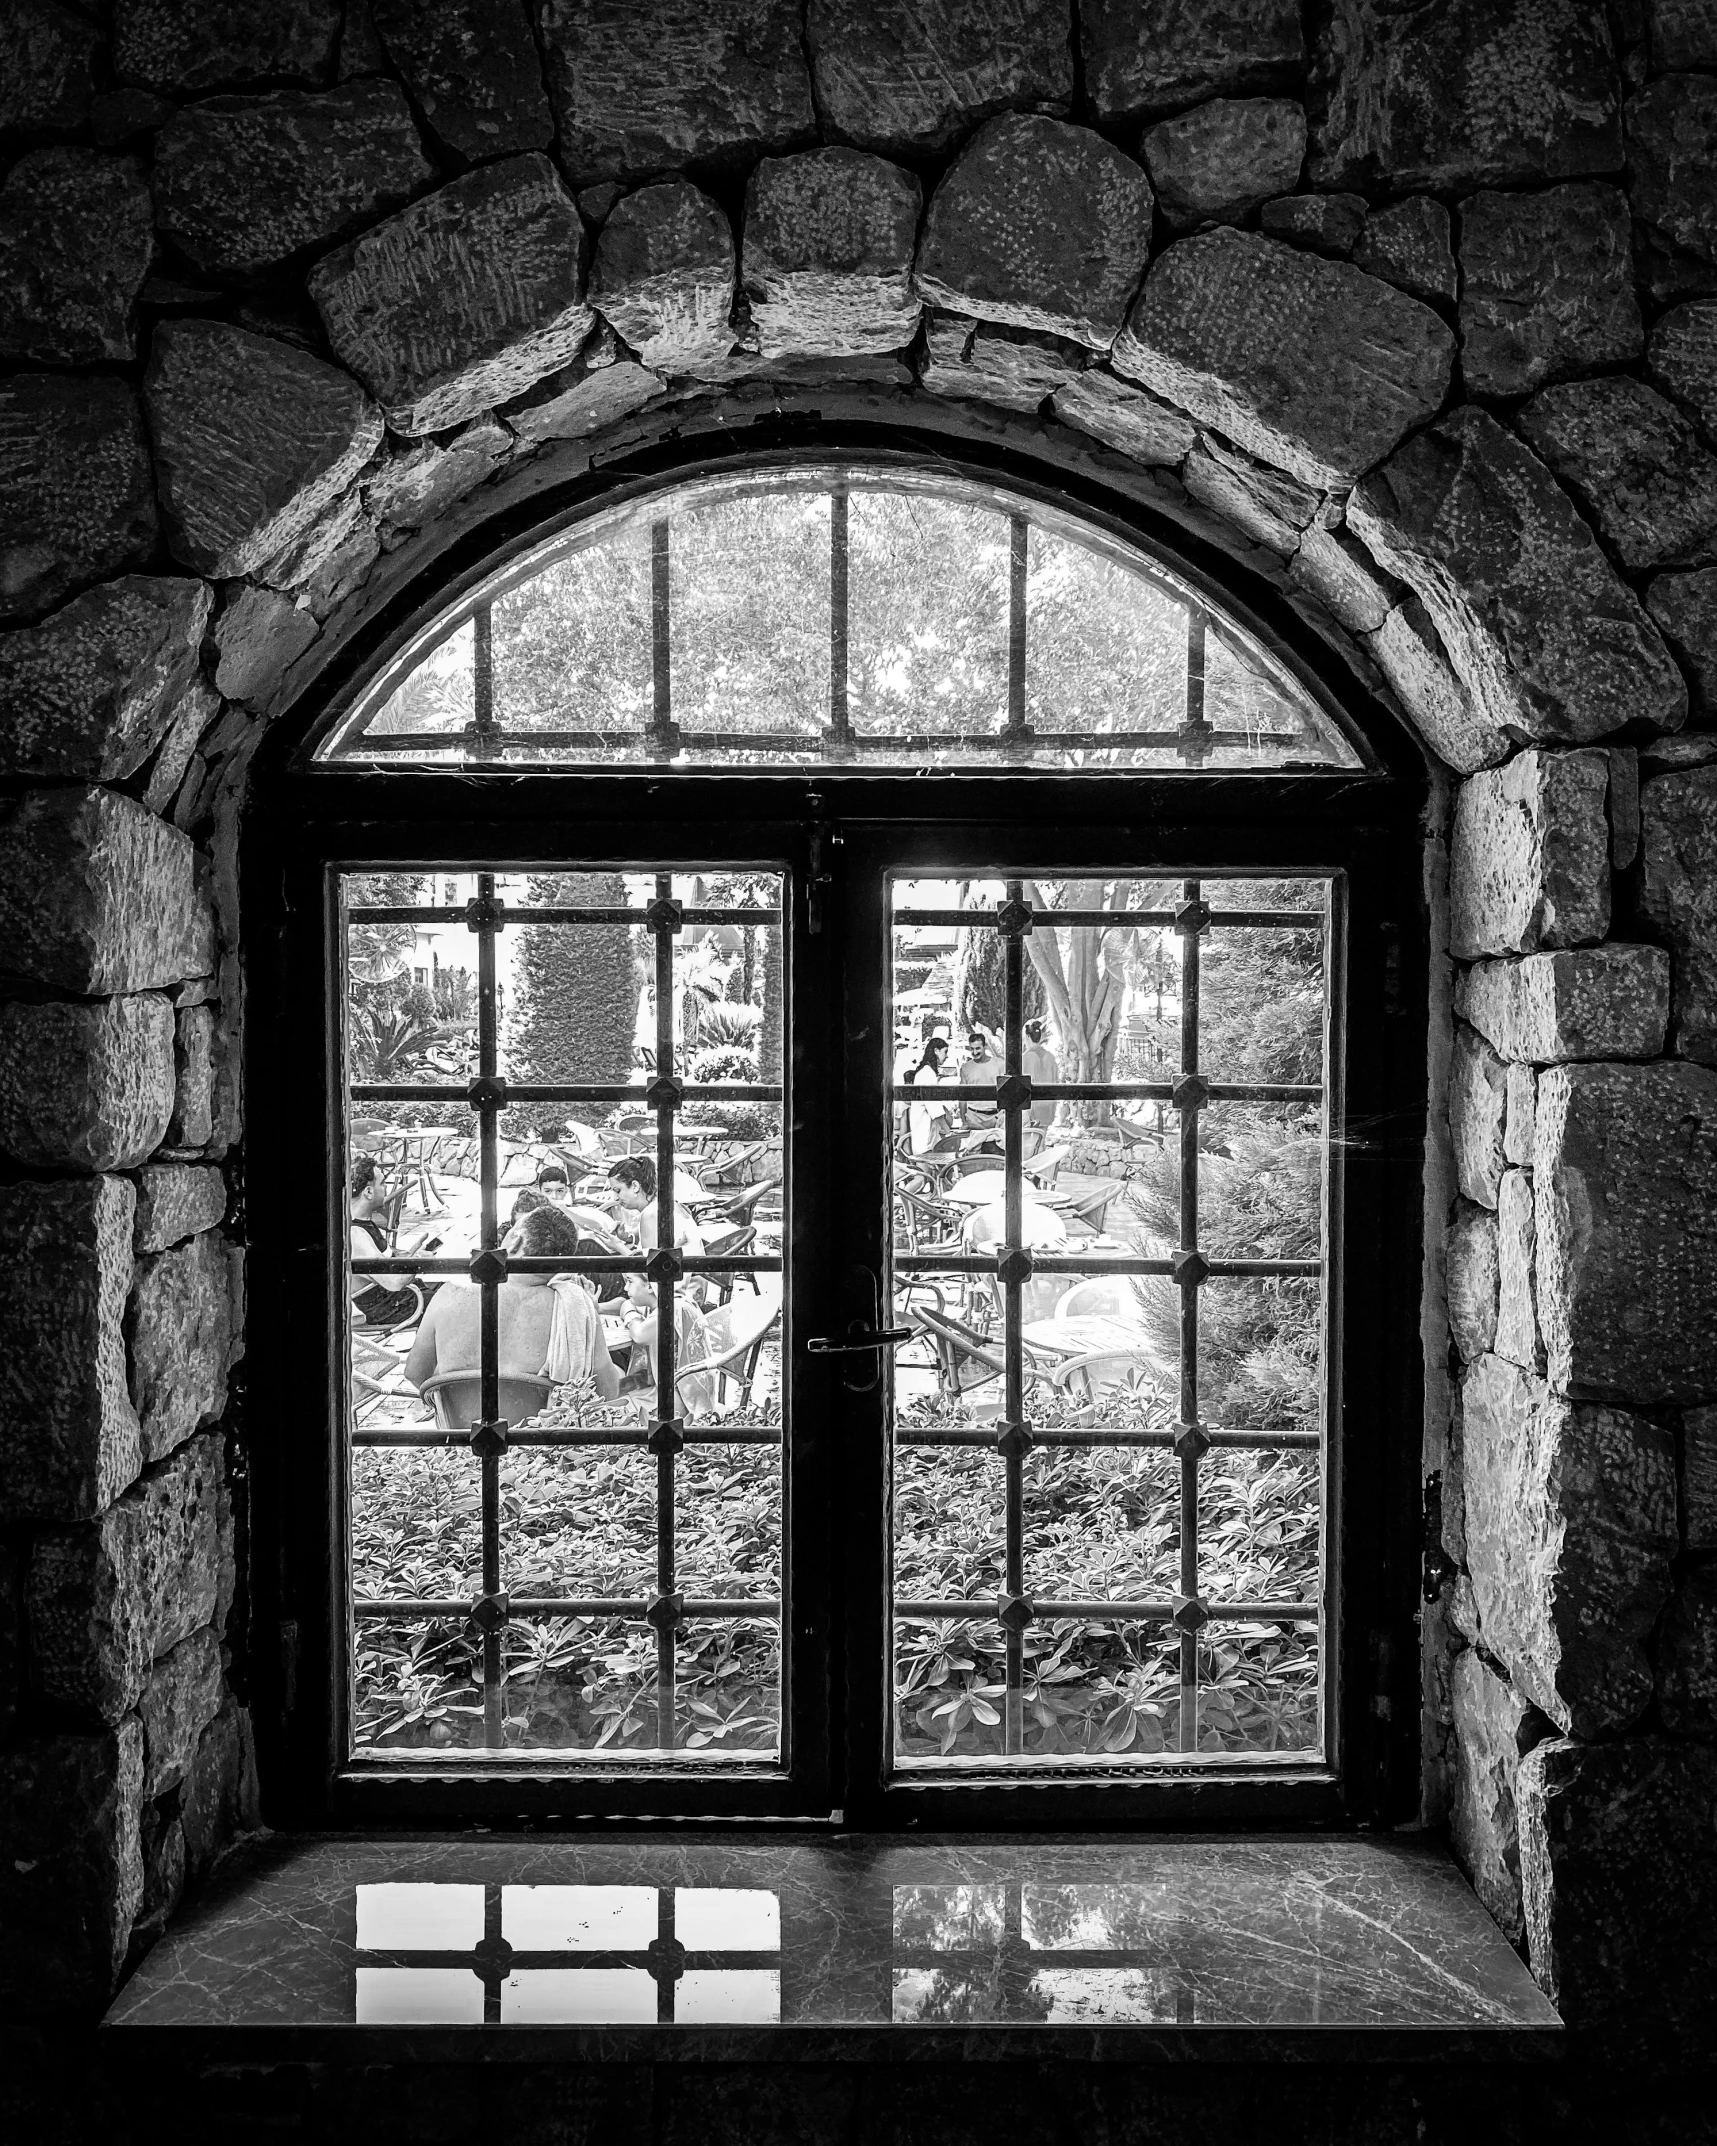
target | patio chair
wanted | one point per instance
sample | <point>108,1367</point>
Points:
<point>1105,1297</point>
<point>737,1332</point>
<point>733,1167</point>
<point>961,1348</point>
<point>457,1397</point>
<point>1105,1370</point>
<point>731,1244</point>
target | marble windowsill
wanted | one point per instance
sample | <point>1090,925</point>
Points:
<point>701,1950</point>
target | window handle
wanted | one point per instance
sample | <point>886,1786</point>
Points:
<point>862,1338</point>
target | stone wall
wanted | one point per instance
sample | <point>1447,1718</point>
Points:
<point>1411,313</point>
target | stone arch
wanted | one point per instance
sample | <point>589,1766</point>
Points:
<point>440,281</point>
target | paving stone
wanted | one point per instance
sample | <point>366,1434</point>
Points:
<point>1681,358</point>
<point>68,1437</point>
<point>1269,508</point>
<point>77,502</point>
<point>1520,1115</point>
<point>1678,894</point>
<point>1327,223</point>
<point>1587,1002</point>
<point>1687,1656</point>
<point>199,45</point>
<point>71,1880</point>
<point>1444,98</point>
<point>1625,1170</point>
<point>221,1799</point>
<point>910,77</point>
<point>1220,161</point>
<point>244,183</point>
<point>1344,578</point>
<point>1672,163</point>
<point>1478,1099</point>
<point>664,276</point>
<point>254,440</point>
<point>1699,1478</point>
<point>181,1696</point>
<point>463,300</point>
<point>86,1085</point>
<point>473,72</point>
<point>1038,225</point>
<point>76,236</point>
<point>1570,1531</point>
<point>1471,1280</point>
<point>91,690</point>
<point>827,266</point>
<point>1548,641</point>
<point>258,635</point>
<point>179,1326</point>
<point>1529,855</point>
<point>1407,244</point>
<point>192,1122</point>
<point>1618,1880</point>
<point>108,1598</point>
<point>47,68</point>
<point>1635,463</point>
<point>1517,1337</point>
<point>1132,421</point>
<point>97,896</point>
<point>1494,1729</point>
<point>1684,607</point>
<point>1410,654</point>
<point>175,1201</point>
<point>1683,34</point>
<point>1547,287</point>
<point>1304,362</point>
<point>974,361</point>
<point>709,82</point>
<point>1148,56</point>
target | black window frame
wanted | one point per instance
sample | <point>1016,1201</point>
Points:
<point>301,822</point>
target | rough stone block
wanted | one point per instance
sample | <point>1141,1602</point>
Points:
<point>1681,358</point>
<point>1699,1478</point>
<point>198,708</point>
<point>1471,1277</point>
<point>464,299</point>
<point>472,69</point>
<point>1009,366</point>
<point>910,77</point>
<point>199,45</point>
<point>1684,607</point>
<point>91,690</point>
<point>1344,578</point>
<point>1687,1656</point>
<point>1327,223</point>
<point>1517,1336</point>
<point>1620,1885</point>
<point>1529,856</point>
<point>1570,1532</point>
<point>68,1438</point>
<point>1548,641</point>
<point>1445,97</point>
<point>331,559</point>
<point>599,388</point>
<point>244,183</point>
<point>254,439</point>
<point>708,82</point>
<point>181,1696</point>
<point>1266,506</point>
<point>193,1121</point>
<point>1678,834</point>
<point>1522,1112</point>
<point>72,1876</point>
<point>106,1600</point>
<point>1494,1728</point>
<point>179,1326</point>
<point>76,238</point>
<point>1148,56</point>
<point>1635,463</point>
<point>163,1841</point>
<point>664,276</point>
<point>1220,161</point>
<point>47,68</point>
<point>1407,244</point>
<point>1587,1002</point>
<point>86,1086</point>
<point>1672,162</point>
<point>1478,1100</point>
<point>175,1201</point>
<point>829,238</point>
<point>78,503</point>
<point>1625,1171</point>
<point>1547,287</point>
<point>1306,363</point>
<point>259,634</point>
<point>221,1799</point>
<point>1130,420</point>
<point>97,896</point>
<point>1038,225</point>
<point>1411,656</point>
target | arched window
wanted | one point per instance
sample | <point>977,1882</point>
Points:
<point>843,1083</point>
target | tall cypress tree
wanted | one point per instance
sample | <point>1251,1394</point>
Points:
<point>575,989</point>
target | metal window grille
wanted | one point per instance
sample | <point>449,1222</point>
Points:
<point>1189,1610</point>
<point>491,1436</point>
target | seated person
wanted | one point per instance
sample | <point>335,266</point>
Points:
<point>634,1179</point>
<point>546,1324</point>
<point>553,1184</point>
<point>692,1346</point>
<point>526,1202</point>
<point>377,1299</point>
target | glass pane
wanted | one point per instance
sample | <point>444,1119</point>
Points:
<point>572,644</point>
<point>1107,647</point>
<point>929,615</point>
<point>750,612</point>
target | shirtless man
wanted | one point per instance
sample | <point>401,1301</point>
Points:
<point>448,1338</point>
